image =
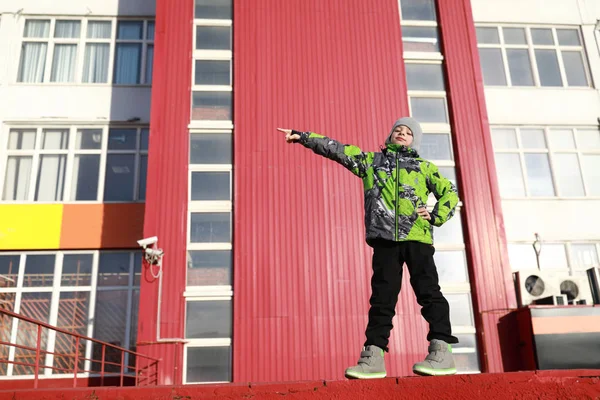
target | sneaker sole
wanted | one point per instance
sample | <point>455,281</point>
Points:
<point>434,372</point>
<point>362,375</point>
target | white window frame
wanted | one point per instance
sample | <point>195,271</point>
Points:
<point>70,152</point>
<point>530,47</point>
<point>571,268</point>
<point>81,43</point>
<point>521,151</point>
<point>55,290</point>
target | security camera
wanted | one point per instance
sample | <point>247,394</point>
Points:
<point>154,252</point>
<point>148,241</point>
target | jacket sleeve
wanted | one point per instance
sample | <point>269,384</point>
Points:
<point>351,157</point>
<point>446,194</point>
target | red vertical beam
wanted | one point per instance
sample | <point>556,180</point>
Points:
<point>490,276</point>
<point>166,195</point>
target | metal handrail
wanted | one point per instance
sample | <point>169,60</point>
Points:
<point>141,373</point>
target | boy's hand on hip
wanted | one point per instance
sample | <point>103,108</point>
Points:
<point>423,213</point>
<point>289,137</point>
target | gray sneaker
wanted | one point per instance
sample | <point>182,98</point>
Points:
<point>371,364</point>
<point>438,362</point>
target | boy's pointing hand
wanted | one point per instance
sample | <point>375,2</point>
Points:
<point>289,137</point>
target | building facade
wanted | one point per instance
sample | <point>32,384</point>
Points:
<point>128,119</point>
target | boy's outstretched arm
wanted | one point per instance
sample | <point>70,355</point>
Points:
<point>351,157</point>
<point>446,194</point>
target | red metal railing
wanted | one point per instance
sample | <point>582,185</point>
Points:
<point>144,373</point>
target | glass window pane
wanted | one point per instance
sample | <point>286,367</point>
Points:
<point>514,36</point>
<point>32,62</point>
<point>128,58</point>
<point>77,270</point>
<point>574,68</point>
<point>150,32</point>
<point>539,178</point>
<point>113,269</point>
<point>451,266</point>
<point>36,306</point>
<point>510,176</point>
<point>135,306</point>
<point>122,139</point>
<point>210,148</point>
<point>210,228</point>
<point>449,233</point>
<point>55,139</point>
<point>209,267</point>
<point>143,177</point>
<point>420,39</point>
<point>51,177</point>
<point>86,172</point>
<point>149,63</point>
<point>448,173</point>
<point>568,175</point>
<point>66,29</point>
<point>533,139</point>
<point>144,138</point>
<point>213,38</point>
<point>488,35</point>
<point>73,316</point>
<point>553,256</point>
<point>584,256</point>
<point>591,172</point>
<point>211,186</point>
<point>426,109</point>
<point>137,268</point>
<point>492,67</point>
<point>548,69</point>
<point>130,30</point>
<point>99,29</point>
<point>436,146</point>
<point>542,36</point>
<point>39,270</point>
<point>208,364</point>
<point>504,138</point>
<point>21,139</point>
<point>95,63</point>
<point>424,76</point>
<point>110,322</point>
<point>212,9</point>
<point>418,10</point>
<point>119,181</point>
<point>88,139</point>
<point>519,66</point>
<point>521,256</point>
<point>561,139</point>
<point>568,37</point>
<point>37,28</point>
<point>9,271</point>
<point>212,72</point>
<point>208,319</point>
<point>461,309</point>
<point>63,63</point>
<point>17,178</point>
<point>588,139</point>
<point>7,302</point>
<point>215,106</point>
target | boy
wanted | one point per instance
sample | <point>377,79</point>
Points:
<point>397,183</point>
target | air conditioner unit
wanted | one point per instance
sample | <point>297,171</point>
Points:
<point>533,285</point>
<point>576,288</point>
<point>594,279</point>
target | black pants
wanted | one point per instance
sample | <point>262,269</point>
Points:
<point>388,260</point>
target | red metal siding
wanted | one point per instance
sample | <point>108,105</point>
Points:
<point>166,196</point>
<point>493,291</point>
<point>301,266</point>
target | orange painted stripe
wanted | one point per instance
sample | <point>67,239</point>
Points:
<point>98,226</point>
<point>558,325</point>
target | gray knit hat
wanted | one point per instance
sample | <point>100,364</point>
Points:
<point>414,126</point>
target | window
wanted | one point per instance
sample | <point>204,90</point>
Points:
<point>95,294</point>
<point>572,258</point>
<point>532,56</point>
<point>547,162</point>
<point>67,164</point>
<point>91,50</point>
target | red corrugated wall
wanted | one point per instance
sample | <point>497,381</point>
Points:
<point>166,193</point>
<point>301,265</point>
<point>491,282</point>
